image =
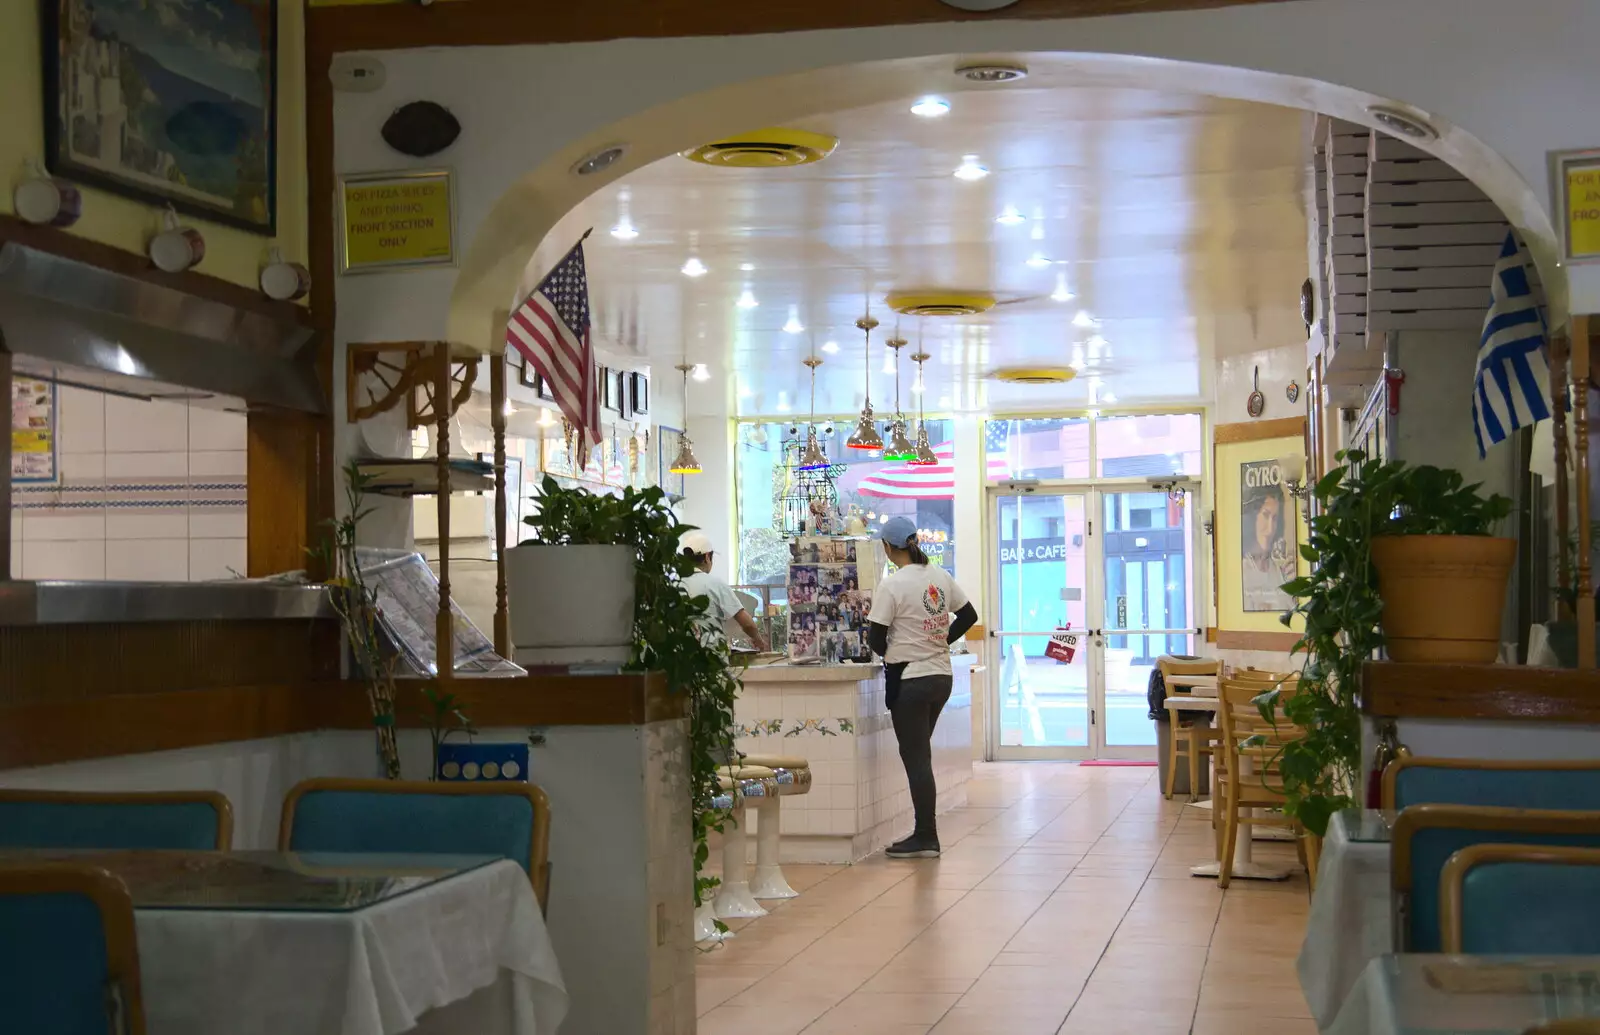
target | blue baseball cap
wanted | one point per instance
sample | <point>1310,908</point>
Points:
<point>897,531</point>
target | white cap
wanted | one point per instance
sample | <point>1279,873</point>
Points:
<point>696,542</point>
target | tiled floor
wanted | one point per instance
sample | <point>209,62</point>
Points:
<point>1063,903</point>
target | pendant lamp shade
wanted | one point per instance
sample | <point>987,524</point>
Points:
<point>813,459</point>
<point>866,434</point>
<point>925,457</point>
<point>685,462</point>
<point>899,447</point>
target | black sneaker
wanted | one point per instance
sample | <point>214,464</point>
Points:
<point>917,846</point>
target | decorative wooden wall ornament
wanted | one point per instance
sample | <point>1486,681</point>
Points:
<point>421,129</point>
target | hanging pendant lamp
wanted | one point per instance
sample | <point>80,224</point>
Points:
<point>813,459</point>
<point>865,436</point>
<point>685,462</point>
<point>925,457</point>
<point>899,447</point>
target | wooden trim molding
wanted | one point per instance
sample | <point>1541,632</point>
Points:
<point>1398,690</point>
<point>55,731</point>
<point>1249,640</point>
<point>1257,430</point>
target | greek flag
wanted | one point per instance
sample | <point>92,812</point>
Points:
<point>1512,387</point>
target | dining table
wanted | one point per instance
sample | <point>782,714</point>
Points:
<point>1351,921</point>
<point>1244,865</point>
<point>1420,994</point>
<point>310,943</point>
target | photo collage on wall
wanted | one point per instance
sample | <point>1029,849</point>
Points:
<point>830,596</point>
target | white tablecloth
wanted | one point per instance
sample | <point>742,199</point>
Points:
<point>1349,923</point>
<point>1480,995</point>
<point>475,940</point>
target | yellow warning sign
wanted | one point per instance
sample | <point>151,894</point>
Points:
<point>398,219</point>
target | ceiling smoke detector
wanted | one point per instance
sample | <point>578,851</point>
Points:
<point>600,160</point>
<point>769,148</point>
<point>939,303</point>
<point>1403,123</point>
<point>992,73</point>
<point>1035,375</point>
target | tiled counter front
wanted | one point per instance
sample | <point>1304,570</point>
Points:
<point>834,716</point>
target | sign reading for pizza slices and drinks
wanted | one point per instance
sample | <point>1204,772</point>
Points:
<point>397,219</point>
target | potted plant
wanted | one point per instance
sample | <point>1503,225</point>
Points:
<point>571,587</point>
<point>1366,509</point>
<point>661,630</point>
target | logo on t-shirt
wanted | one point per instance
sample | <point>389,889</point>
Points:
<point>933,600</point>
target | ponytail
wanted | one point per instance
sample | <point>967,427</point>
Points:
<point>914,548</point>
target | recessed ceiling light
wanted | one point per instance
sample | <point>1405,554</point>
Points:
<point>1037,233</point>
<point>783,402</point>
<point>931,107</point>
<point>1083,319</point>
<point>970,169</point>
<point>1096,342</point>
<point>1062,293</point>
<point>701,372</point>
<point>600,160</point>
<point>916,388</point>
<point>624,231</point>
<point>793,326</point>
<point>747,300</point>
<point>694,267</point>
<point>1009,216</point>
<point>992,73</point>
<point>1405,124</point>
<point>746,267</point>
<point>1039,262</point>
<point>830,347</point>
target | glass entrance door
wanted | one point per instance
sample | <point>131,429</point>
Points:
<point>1113,566</point>
<point>1040,583</point>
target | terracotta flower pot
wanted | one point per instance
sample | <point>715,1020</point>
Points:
<point>1443,595</point>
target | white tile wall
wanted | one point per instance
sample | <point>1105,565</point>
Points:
<point>147,490</point>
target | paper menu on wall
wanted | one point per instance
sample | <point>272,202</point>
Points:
<point>33,430</point>
<point>407,593</point>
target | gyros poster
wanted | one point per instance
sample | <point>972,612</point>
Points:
<point>1269,549</point>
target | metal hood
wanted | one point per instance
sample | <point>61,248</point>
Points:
<point>73,323</point>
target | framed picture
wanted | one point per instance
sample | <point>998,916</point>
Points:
<point>608,388</point>
<point>527,377</point>
<point>1258,529</point>
<point>168,102</point>
<point>638,393</point>
<point>621,377</point>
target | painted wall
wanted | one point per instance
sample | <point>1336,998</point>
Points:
<point>231,254</point>
<point>148,491</point>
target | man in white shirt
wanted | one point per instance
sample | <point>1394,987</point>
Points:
<point>722,603</point>
<point>917,612</point>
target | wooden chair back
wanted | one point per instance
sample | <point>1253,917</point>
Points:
<point>436,817</point>
<point>1521,900</point>
<point>1516,784</point>
<point>191,820</point>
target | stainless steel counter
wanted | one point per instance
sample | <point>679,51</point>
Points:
<point>87,603</point>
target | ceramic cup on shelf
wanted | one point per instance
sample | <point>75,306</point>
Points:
<point>44,201</point>
<point>177,248</point>
<point>284,281</point>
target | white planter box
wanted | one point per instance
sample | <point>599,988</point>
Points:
<point>570,605</point>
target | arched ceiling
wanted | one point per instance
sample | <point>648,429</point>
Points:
<point>1174,221</point>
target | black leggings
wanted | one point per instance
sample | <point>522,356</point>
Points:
<point>915,712</point>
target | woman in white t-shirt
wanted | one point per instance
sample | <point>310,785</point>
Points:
<point>722,606</point>
<point>912,628</point>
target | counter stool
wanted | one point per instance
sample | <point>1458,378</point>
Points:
<point>734,901</point>
<point>794,777</point>
<point>705,914</point>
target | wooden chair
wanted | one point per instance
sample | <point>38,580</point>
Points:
<point>1516,784</point>
<point>408,816</point>
<point>1426,836</point>
<point>1239,719</point>
<point>71,956</point>
<point>1571,1026</point>
<point>145,820</point>
<point>1188,737</point>
<point>1521,900</point>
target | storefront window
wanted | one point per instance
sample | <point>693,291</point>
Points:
<point>1148,445</point>
<point>1055,447</point>
<point>866,484</point>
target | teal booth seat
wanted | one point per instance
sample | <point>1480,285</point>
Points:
<point>412,817</point>
<point>1503,784</point>
<point>1426,836</point>
<point>70,962</point>
<point>192,820</point>
<point>1520,900</point>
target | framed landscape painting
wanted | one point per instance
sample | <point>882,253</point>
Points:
<point>168,101</point>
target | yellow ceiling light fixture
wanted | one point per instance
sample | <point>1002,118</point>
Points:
<point>770,148</point>
<point>940,303</point>
<point>1035,375</point>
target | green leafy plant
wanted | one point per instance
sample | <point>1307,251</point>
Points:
<point>1319,768</point>
<point>357,606</point>
<point>444,715</point>
<point>665,637</point>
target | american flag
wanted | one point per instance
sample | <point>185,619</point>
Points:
<point>997,437</point>
<point>933,481</point>
<point>551,330</point>
<point>1511,388</point>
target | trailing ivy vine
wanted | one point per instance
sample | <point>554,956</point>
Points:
<point>664,627</point>
<point>1340,605</point>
